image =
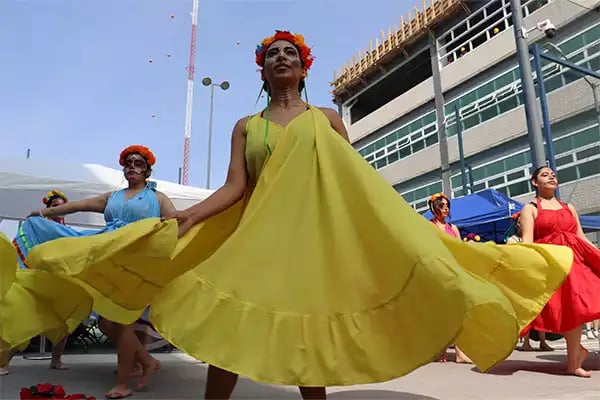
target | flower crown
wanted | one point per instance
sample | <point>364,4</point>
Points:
<point>54,194</point>
<point>437,196</point>
<point>472,237</point>
<point>141,150</point>
<point>294,38</point>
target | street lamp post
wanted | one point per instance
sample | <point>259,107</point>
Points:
<point>538,156</point>
<point>223,85</point>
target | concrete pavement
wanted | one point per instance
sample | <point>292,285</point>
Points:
<point>524,376</point>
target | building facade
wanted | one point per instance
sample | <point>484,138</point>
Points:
<point>399,100</point>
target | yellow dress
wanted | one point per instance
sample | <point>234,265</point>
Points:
<point>32,303</point>
<point>321,276</point>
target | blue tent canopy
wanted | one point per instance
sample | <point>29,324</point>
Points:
<point>488,214</point>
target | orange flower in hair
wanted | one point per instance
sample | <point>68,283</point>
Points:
<point>437,196</point>
<point>54,194</point>
<point>137,149</point>
<point>294,38</point>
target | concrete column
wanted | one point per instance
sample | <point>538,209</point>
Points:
<point>439,110</point>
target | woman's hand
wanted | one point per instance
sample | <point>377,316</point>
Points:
<point>185,221</point>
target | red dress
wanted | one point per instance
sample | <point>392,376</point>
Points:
<point>577,300</point>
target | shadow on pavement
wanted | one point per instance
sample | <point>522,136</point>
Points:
<point>377,395</point>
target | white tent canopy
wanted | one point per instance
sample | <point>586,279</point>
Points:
<point>23,183</point>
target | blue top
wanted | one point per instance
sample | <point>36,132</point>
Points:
<point>117,213</point>
<point>120,212</point>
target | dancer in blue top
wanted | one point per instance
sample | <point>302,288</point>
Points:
<point>138,201</point>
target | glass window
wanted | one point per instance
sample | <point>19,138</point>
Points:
<point>562,145</point>
<point>470,122</point>
<point>494,168</point>
<point>592,151</point>
<point>496,181</point>
<point>431,140</point>
<point>380,163</point>
<point>553,83</point>
<point>478,173</point>
<point>567,174</point>
<point>515,176</point>
<point>564,160</point>
<point>391,138</point>
<point>589,168</point>
<point>516,161</point>
<point>415,126</point>
<point>456,181</point>
<point>405,152</point>
<point>417,146</point>
<point>504,80</point>
<point>503,190</point>
<point>489,113</point>
<point>422,204</point>
<point>507,104</point>
<point>421,192</point>
<point>594,64</point>
<point>393,157</point>
<point>466,99</point>
<point>436,188</point>
<point>485,90</point>
<point>429,118</point>
<point>572,45</point>
<point>451,130</point>
<point>478,187</point>
<point>409,197</point>
<point>430,128</point>
<point>583,138</point>
<point>519,188</point>
<point>402,132</point>
<point>592,34</point>
<point>458,193</point>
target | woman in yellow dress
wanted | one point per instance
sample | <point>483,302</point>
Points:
<point>307,268</point>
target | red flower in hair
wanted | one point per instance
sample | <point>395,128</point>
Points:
<point>294,38</point>
<point>138,149</point>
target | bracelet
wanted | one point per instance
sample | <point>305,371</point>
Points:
<point>42,213</point>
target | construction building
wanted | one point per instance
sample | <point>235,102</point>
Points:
<point>398,100</point>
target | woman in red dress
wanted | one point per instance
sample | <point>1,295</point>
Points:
<point>551,221</point>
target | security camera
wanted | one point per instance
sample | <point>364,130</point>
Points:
<point>547,27</point>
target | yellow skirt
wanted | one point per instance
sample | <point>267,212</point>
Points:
<point>325,277</point>
<point>36,302</point>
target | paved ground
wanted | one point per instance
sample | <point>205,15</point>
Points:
<point>524,376</point>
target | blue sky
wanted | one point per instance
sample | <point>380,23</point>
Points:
<point>76,84</point>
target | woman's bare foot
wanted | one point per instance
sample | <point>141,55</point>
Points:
<point>58,365</point>
<point>544,346</point>
<point>526,347</point>
<point>579,371</point>
<point>147,371</point>
<point>118,392</point>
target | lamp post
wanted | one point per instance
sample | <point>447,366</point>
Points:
<point>536,140</point>
<point>223,85</point>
